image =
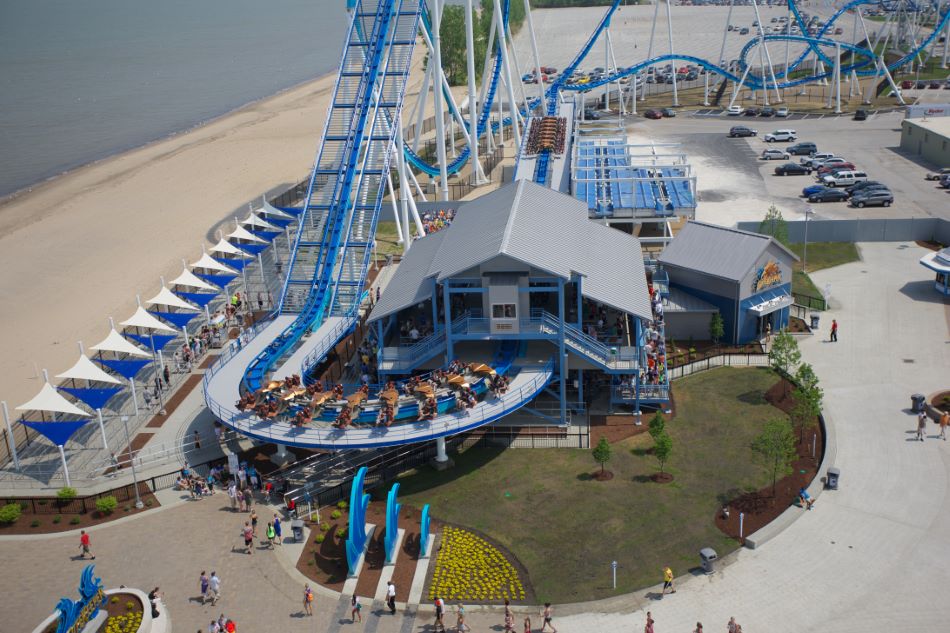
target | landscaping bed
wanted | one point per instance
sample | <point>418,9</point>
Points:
<point>51,515</point>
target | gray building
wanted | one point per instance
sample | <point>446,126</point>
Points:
<point>928,138</point>
<point>746,276</point>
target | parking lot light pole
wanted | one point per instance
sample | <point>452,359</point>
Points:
<point>135,479</point>
<point>808,212</point>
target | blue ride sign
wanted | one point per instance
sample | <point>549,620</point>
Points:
<point>74,615</point>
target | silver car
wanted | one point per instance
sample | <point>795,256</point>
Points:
<point>771,154</point>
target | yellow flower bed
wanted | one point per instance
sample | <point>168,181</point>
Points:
<point>469,568</point>
<point>128,623</point>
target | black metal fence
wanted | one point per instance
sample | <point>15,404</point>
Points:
<point>809,301</point>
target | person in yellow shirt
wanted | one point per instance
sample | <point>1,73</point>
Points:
<point>668,580</point>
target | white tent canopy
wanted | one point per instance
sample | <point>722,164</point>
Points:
<point>166,297</point>
<point>85,369</point>
<point>143,319</point>
<point>210,263</point>
<point>188,278</point>
<point>254,220</point>
<point>48,399</point>
<point>270,209</point>
<point>226,247</point>
<point>241,233</point>
<point>116,343</point>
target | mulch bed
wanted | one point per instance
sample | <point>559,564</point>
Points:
<point>119,607</point>
<point>177,398</point>
<point>798,326</point>
<point>207,362</point>
<point>620,427</point>
<point>761,507</point>
<point>705,349</point>
<point>933,246</point>
<point>941,401</point>
<point>47,526</point>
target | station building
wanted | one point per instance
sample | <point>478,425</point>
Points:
<point>746,277</point>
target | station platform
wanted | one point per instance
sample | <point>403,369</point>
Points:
<point>325,337</point>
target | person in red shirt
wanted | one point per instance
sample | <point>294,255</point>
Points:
<point>84,545</point>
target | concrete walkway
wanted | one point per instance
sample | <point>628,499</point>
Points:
<point>873,556</point>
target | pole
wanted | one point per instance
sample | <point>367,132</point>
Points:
<point>10,439</point>
<point>741,523</point>
<point>135,479</point>
<point>534,50</point>
<point>669,27</point>
<point>808,212</point>
<point>102,429</point>
<point>613,567</point>
<point>472,97</point>
<point>814,440</point>
<point>838,78</point>
<point>135,401</point>
<point>437,98</point>
<point>62,456</point>
<point>506,66</point>
<point>440,454</point>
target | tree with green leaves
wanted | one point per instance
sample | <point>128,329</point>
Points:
<point>602,452</point>
<point>717,329</point>
<point>774,224</point>
<point>662,448</point>
<point>775,449</point>
<point>657,425</point>
<point>808,399</point>
<point>784,355</point>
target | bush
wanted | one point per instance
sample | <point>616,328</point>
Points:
<point>115,599</point>
<point>66,493</point>
<point>10,513</point>
<point>126,508</point>
<point>24,506</point>
<point>320,538</point>
<point>74,521</point>
<point>341,533</point>
<point>324,527</point>
<point>129,605</point>
<point>35,523</point>
<point>57,519</point>
<point>342,505</point>
<point>41,502</point>
<point>148,503</point>
<point>336,514</point>
<point>105,505</point>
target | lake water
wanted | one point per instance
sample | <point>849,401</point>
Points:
<point>83,79</point>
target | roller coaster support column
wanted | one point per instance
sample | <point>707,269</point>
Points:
<point>534,50</point>
<point>768,59</point>
<point>838,78</point>
<point>669,28</point>
<point>506,66</point>
<point>440,455</point>
<point>705,89</point>
<point>472,97</point>
<point>946,40</point>
<point>562,351</point>
<point>656,11</point>
<point>437,98</point>
<point>738,86</point>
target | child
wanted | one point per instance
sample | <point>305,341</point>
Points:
<point>355,610</point>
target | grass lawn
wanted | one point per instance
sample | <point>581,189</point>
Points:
<point>566,528</point>
<point>386,237</point>
<point>820,255</point>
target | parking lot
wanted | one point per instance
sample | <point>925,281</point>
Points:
<point>734,185</point>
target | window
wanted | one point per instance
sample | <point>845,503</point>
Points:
<point>503,311</point>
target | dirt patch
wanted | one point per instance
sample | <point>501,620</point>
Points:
<point>704,350</point>
<point>941,401</point>
<point>207,362</point>
<point>620,427</point>
<point>661,478</point>
<point>780,395</point>
<point>933,246</point>
<point>798,326</point>
<point>176,399</point>
<point>603,475</point>
<point>50,518</point>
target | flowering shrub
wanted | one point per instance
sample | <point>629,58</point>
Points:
<point>128,623</point>
<point>469,568</point>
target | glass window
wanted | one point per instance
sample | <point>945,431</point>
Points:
<point>503,311</point>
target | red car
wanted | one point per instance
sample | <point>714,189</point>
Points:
<point>830,168</point>
<point>906,84</point>
<point>653,114</point>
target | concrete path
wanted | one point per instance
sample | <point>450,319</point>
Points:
<point>873,556</point>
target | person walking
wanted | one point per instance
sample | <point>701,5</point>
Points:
<point>391,596</point>
<point>203,586</point>
<point>356,610</point>
<point>547,615</point>
<point>248,533</point>
<point>239,495</point>
<point>921,424</point>
<point>84,545</point>
<point>232,495</point>
<point>197,437</point>
<point>270,534</point>
<point>699,628</point>
<point>277,535</point>
<point>944,422</point>
<point>308,600</point>
<point>166,375</point>
<point>509,618</point>
<point>834,330</point>
<point>668,581</point>
<point>648,627</point>
<point>439,614</point>
<point>214,586</point>
<point>460,625</point>
<point>254,523</point>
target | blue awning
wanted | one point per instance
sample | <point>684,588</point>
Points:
<point>125,368</point>
<point>56,432</point>
<point>294,211</point>
<point>281,222</point>
<point>94,398</point>
<point>220,280</point>
<point>200,299</point>
<point>769,301</point>
<point>180,319</point>
<point>253,249</point>
<point>266,235</point>
<point>160,340</point>
<point>235,263</point>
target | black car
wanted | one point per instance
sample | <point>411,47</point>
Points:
<point>669,113</point>
<point>752,112</point>
<point>866,185</point>
<point>741,130</point>
<point>767,111</point>
<point>792,169</point>
<point>592,115</point>
<point>860,115</point>
<point>802,149</point>
<point>828,195</point>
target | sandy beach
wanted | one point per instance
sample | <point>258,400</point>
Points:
<point>77,249</point>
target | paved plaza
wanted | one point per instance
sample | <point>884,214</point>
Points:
<point>871,556</point>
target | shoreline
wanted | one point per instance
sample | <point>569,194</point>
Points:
<point>50,180</point>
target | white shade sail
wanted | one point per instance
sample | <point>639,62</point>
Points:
<point>48,399</point>
<point>270,209</point>
<point>210,263</point>
<point>166,297</point>
<point>190,279</point>
<point>85,369</point>
<point>115,342</point>
<point>142,318</point>
<point>226,247</point>
<point>254,220</point>
<point>241,233</point>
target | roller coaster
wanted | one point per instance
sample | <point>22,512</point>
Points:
<point>326,274</point>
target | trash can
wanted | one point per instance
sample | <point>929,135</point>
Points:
<point>917,402</point>
<point>814,321</point>
<point>296,527</point>
<point>708,557</point>
<point>832,480</point>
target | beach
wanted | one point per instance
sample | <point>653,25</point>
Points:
<point>77,249</point>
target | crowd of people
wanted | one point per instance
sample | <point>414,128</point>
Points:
<point>435,221</point>
<point>547,133</point>
<point>655,345</point>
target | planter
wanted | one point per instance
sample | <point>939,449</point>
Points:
<point>98,624</point>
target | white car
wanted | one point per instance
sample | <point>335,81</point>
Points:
<point>735,110</point>
<point>843,178</point>
<point>782,112</point>
<point>770,154</point>
<point>780,135</point>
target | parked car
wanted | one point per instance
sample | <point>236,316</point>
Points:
<point>860,115</point>
<point>803,149</point>
<point>751,112</point>
<point>907,84</point>
<point>653,114</point>
<point>812,189</point>
<point>780,135</point>
<point>767,111</point>
<point>816,159</point>
<point>864,185</point>
<point>844,178</point>
<point>774,154</point>
<point>945,181</point>
<point>791,169</point>
<point>935,175</point>
<point>833,164</point>
<point>934,85</point>
<point>734,110</point>
<point>874,198</point>
<point>741,130</point>
<point>744,30</point>
<point>828,195</point>
<point>592,115</point>
<point>782,112</point>
<point>669,113</point>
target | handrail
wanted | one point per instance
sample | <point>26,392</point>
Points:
<point>326,343</point>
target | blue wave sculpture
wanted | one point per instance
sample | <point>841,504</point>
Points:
<point>356,541</point>
<point>392,523</point>
<point>424,531</point>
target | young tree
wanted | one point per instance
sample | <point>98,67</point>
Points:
<point>717,328</point>
<point>808,399</point>
<point>662,448</point>
<point>774,224</point>
<point>657,425</point>
<point>784,355</point>
<point>775,448</point>
<point>602,452</point>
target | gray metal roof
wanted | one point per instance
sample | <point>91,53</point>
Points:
<point>717,250</point>
<point>407,286</point>
<point>540,227</point>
